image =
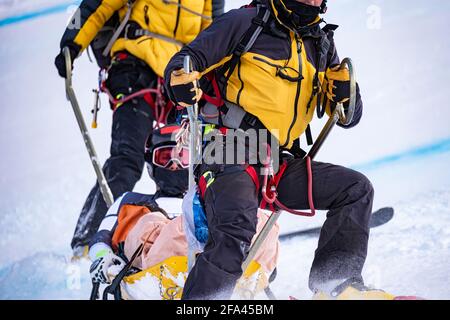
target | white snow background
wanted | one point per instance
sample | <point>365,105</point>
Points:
<point>400,50</point>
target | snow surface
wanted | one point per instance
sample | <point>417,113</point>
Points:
<point>401,61</point>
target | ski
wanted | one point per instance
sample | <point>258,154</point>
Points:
<point>378,218</point>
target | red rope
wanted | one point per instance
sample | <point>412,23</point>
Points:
<point>271,196</point>
<point>310,196</point>
<point>159,105</point>
<point>132,96</point>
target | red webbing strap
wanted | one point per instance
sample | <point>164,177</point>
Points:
<point>150,101</point>
<point>202,185</point>
<point>217,100</point>
<point>252,173</point>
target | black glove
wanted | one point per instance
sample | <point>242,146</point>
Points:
<point>345,88</point>
<point>60,60</point>
<point>184,87</point>
<point>337,84</point>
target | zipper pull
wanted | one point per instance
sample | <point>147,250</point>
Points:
<point>299,54</point>
<point>299,45</point>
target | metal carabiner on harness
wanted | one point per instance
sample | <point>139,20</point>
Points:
<point>269,196</point>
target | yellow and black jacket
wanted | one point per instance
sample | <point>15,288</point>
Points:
<point>181,20</point>
<point>274,78</point>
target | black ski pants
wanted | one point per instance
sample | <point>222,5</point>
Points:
<point>231,204</point>
<point>132,124</point>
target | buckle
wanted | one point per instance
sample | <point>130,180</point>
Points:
<point>258,21</point>
<point>250,119</point>
<point>239,49</point>
<point>125,33</point>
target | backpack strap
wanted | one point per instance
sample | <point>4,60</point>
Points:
<point>114,287</point>
<point>249,38</point>
<point>116,35</point>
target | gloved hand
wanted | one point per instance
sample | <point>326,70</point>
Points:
<point>104,260</point>
<point>337,84</point>
<point>60,60</point>
<point>184,87</point>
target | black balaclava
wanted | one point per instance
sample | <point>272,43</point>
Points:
<point>170,183</point>
<point>302,14</point>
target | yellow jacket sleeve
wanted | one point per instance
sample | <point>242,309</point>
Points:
<point>87,21</point>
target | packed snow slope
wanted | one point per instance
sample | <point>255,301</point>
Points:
<point>400,49</point>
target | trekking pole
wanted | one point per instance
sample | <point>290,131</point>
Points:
<point>70,93</point>
<point>337,115</point>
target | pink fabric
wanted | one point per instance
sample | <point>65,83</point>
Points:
<point>166,238</point>
<point>147,229</point>
<point>267,255</point>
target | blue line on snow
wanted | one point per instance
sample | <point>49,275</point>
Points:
<point>420,152</point>
<point>36,14</point>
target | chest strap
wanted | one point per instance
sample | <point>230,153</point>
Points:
<point>134,31</point>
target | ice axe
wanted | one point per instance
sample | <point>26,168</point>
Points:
<point>338,114</point>
<point>194,127</point>
<point>104,188</point>
<point>194,146</point>
<point>70,93</point>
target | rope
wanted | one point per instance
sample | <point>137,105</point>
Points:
<point>271,196</point>
<point>310,196</point>
<point>159,105</point>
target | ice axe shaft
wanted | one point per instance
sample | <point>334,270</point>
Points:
<point>194,129</point>
<point>104,188</point>
<point>194,146</point>
<point>260,239</point>
<point>337,115</point>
